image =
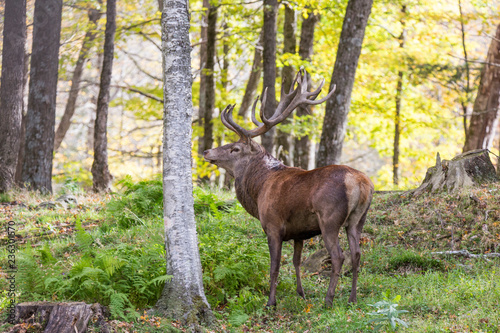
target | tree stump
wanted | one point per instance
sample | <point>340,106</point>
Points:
<point>61,317</point>
<point>467,169</point>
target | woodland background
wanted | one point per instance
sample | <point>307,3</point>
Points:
<point>425,54</point>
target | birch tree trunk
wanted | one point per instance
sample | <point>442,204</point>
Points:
<point>183,297</point>
<point>101,176</point>
<point>11,92</point>
<point>344,71</point>
<point>484,119</point>
<point>40,118</point>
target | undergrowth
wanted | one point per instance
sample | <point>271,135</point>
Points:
<point>113,253</point>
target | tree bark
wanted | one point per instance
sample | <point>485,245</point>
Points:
<point>69,111</point>
<point>302,144</point>
<point>269,65</point>
<point>484,119</point>
<point>20,154</point>
<point>283,140</point>
<point>208,109</point>
<point>470,168</point>
<point>11,91</point>
<point>203,77</point>
<point>183,297</point>
<point>253,80</point>
<point>344,71</point>
<point>40,121</point>
<point>399,97</point>
<point>100,170</point>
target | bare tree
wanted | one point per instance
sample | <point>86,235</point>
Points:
<point>484,119</point>
<point>344,71</point>
<point>183,297</point>
<point>269,65</point>
<point>100,170</point>
<point>11,91</point>
<point>301,144</point>
<point>40,117</point>
<point>203,77</point>
<point>69,111</point>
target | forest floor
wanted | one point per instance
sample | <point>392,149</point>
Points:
<point>109,249</point>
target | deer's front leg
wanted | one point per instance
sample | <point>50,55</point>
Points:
<point>275,245</point>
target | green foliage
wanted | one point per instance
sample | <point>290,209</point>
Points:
<point>5,197</point>
<point>140,200</point>
<point>387,312</point>
<point>234,257</point>
<point>413,261</point>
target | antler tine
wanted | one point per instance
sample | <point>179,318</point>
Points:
<point>227,120</point>
<point>254,119</point>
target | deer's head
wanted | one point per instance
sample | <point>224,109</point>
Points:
<point>232,155</point>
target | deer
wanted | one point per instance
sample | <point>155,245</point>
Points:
<point>292,203</point>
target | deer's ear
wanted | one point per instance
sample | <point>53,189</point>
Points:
<point>255,147</point>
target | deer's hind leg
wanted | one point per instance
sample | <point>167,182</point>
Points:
<point>297,254</point>
<point>353,230</point>
<point>330,227</point>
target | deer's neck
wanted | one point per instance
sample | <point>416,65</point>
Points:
<point>250,178</point>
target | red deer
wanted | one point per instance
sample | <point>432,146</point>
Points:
<point>292,203</point>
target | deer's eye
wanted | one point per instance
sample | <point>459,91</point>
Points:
<point>235,150</point>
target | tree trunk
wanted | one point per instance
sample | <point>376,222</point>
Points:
<point>302,144</point>
<point>90,35</point>
<point>269,65</point>
<point>484,119</point>
<point>100,171</point>
<point>208,72</point>
<point>344,71</point>
<point>470,168</point>
<point>253,80</point>
<point>203,77</point>
<point>283,140</point>
<point>11,91</point>
<point>20,154</point>
<point>61,317</point>
<point>183,297</point>
<point>40,118</point>
<point>399,96</point>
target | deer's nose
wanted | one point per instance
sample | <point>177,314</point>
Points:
<point>206,152</point>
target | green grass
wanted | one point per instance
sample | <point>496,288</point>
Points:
<point>93,253</point>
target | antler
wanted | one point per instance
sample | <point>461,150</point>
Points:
<point>289,102</point>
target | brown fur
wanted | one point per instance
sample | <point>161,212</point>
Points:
<point>292,203</point>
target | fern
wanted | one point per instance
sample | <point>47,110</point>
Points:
<point>83,238</point>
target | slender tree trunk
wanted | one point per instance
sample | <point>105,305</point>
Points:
<point>269,65</point>
<point>399,97</point>
<point>11,91</point>
<point>203,77</point>
<point>20,154</point>
<point>100,170</point>
<point>40,121</point>
<point>183,297</point>
<point>484,119</point>
<point>208,109</point>
<point>302,144</point>
<point>344,71</point>
<point>90,35</point>
<point>253,80</point>
<point>465,103</point>
<point>283,140</point>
